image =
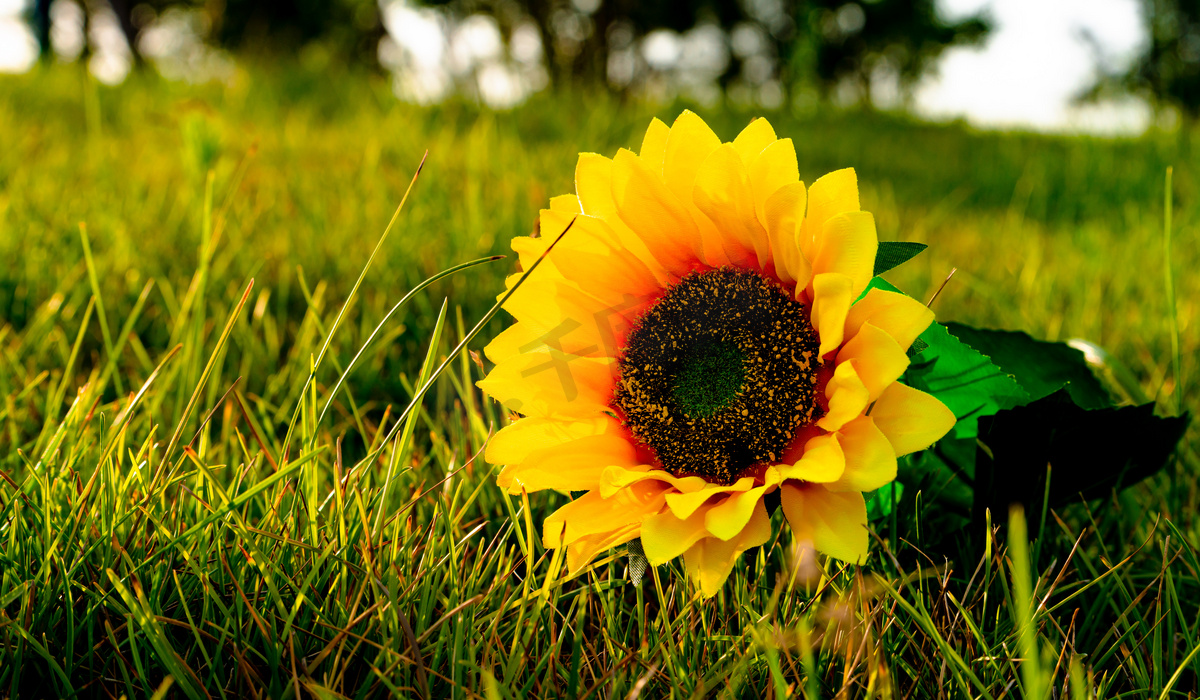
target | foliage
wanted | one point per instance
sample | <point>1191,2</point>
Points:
<point>1168,69</point>
<point>892,254</point>
<point>820,43</point>
<point>348,29</point>
<point>1045,432</point>
<point>847,42</point>
<point>804,43</point>
<point>236,537</point>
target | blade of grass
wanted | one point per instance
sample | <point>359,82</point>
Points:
<point>60,393</point>
<point>1032,677</point>
<point>471,336</point>
<point>95,282</point>
<point>208,368</point>
<point>1172,309</point>
<point>337,322</point>
<point>123,336</point>
<point>139,608</point>
<point>444,273</point>
<point>401,444</point>
<point>116,432</point>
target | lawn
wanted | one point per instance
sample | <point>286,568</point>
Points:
<point>205,491</point>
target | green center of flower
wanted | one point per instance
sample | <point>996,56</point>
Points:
<point>718,374</point>
<point>709,378</point>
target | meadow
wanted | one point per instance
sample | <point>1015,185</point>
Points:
<point>219,478</point>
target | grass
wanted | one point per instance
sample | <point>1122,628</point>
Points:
<point>199,498</point>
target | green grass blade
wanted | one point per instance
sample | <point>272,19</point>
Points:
<point>109,348</point>
<point>1172,309</point>
<point>208,368</point>
<point>1032,676</point>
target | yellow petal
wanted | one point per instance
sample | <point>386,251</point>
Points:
<point>901,316</point>
<point>558,316</point>
<point>848,397</point>
<point>513,443</point>
<point>847,245</point>
<point>613,479</point>
<point>654,145</point>
<point>753,139</point>
<point>877,357</point>
<point>832,295</point>
<point>529,249</point>
<point>590,514</point>
<point>684,504</point>
<point>565,204</point>
<point>510,341</point>
<point>728,518</point>
<point>722,192</point>
<point>870,459</point>
<point>572,466</point>
<point>714,242</point>
<point>829,196</point>
<point>836,523</point>
<point>552,384</point>
<point>782,214</point>
<point>773,168</point>
<point>590,255</point>
<point>593,183</point>
<point>710,560</point>
<point>655,214</point>
<point>688,145</point>
<point>582,552</point>
<point>822,461</point>
<point>547,300</point>
<point>666,536</point>
<point>911,419</point>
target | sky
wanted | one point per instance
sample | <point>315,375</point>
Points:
<point>1034,62</point>
<point>1025,75</point>
<point>16,43</point>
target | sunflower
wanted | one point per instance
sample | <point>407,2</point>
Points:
<point>699,344</point>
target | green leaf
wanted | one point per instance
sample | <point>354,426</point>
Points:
<point>894,253</point>
<point>944,477</point>
<point>1084,452</point>
<point>967,381</point>
<point>881,500</point>
<point>1041,367</point>
<point>878,282</point>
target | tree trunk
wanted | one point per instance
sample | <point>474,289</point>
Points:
<point>123,9</point>
<point>41,28</point>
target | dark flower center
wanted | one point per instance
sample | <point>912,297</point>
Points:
<point>719,374</point>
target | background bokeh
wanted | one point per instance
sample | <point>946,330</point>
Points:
<point>190,190</point>
<point>1099,65</point>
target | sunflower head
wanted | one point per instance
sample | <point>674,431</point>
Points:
<point>703,337</point>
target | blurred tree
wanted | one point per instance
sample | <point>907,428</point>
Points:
<point>577,34</point>
<point>818,44</point>
<point>1168,70</point>
<point>349,29</point>
<point>39,22</point>
<point>854,43</point>
<point>821,43</point>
